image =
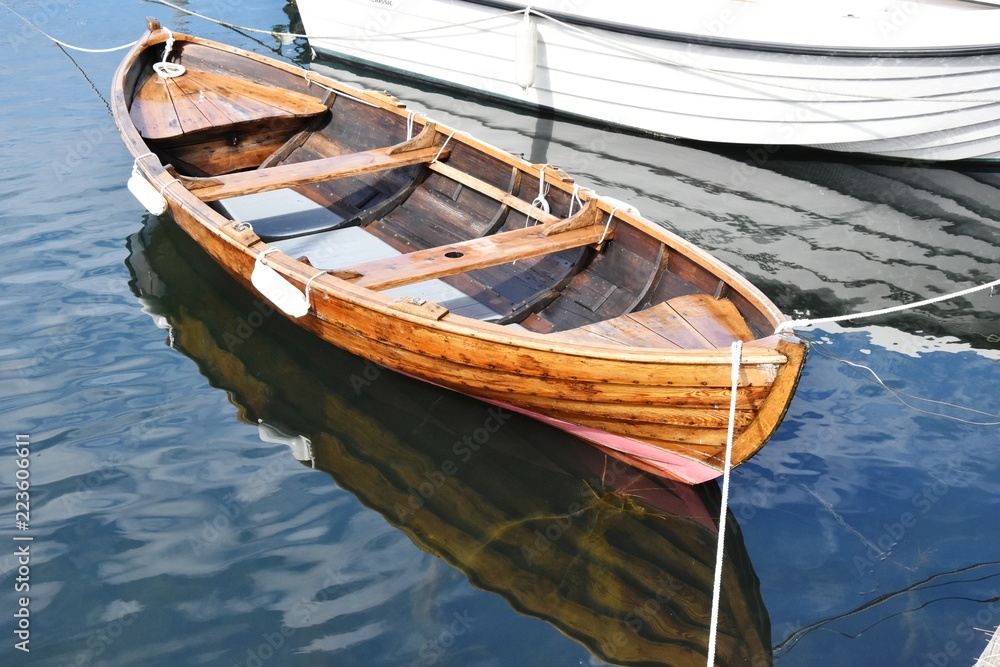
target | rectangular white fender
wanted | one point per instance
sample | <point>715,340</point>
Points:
<point>147,195</point>
<point>277,290</point>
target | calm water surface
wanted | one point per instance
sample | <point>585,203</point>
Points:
<point>211,487</point>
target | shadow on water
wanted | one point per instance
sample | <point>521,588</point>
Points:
<point>619,561</point>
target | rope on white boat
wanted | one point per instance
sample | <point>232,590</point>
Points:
<point>653,57</point>
<point>520,12</point>
<point>295,35</point>
<point>748,79</point>
<point>63,44</point>
<point>795,324</point>
<point>724,510</point>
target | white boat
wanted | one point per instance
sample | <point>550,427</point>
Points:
<point>899,78</point>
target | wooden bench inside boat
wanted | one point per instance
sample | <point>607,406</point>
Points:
<point>478,253</point>
<point>337,247</point>
<point>303,173</point>
<point>693,321</point>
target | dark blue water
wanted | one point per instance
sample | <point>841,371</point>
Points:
<point>209,486</point>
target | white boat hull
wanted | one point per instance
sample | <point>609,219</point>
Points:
<point>915,95</point>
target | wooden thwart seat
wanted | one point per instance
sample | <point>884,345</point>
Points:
<point>482,252</point>
<point>303,173</point>
<point>695,321</point>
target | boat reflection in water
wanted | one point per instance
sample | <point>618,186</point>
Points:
<point>620,561</point>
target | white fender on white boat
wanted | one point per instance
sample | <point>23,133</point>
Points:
<point>277,290</point>
<point>525,52</point>
<point>147,195</point>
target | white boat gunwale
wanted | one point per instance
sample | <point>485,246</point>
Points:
<point>745,45</point>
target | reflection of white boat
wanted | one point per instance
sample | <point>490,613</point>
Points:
<point>898,78</point>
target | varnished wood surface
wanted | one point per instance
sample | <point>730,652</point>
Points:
<point>198,100</point>
<point>303,173</point>
<point>472,254</point>
<point>603,368</point>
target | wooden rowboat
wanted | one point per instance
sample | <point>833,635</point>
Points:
<point>438,256</point>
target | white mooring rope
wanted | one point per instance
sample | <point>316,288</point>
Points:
<point>61,43</point>
<point>727,468</point>
<point>796,324</point>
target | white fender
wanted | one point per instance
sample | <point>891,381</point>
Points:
<point>147,195</point>
<point>277,290</point>
<point>525,52</point>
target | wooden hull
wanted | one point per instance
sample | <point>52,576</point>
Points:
<point>898,79</point>
<point>657,404</point>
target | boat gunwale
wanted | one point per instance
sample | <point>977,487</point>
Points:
<point>759,351</point>
<point>783,48</point>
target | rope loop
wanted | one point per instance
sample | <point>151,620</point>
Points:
<point>164,69</point>
<point>607,226</point>
<point>543,189</point>
<point>168,184</point>
<point>575,200</point>
<point>310,282</point>
<point>441,150</point>
<point>410,117</point>
<point>261,256</point>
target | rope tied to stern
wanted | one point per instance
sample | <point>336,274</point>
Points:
<point>788,325</point>
<point>737,350</point>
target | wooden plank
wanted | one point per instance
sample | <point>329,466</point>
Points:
<point>314,171</point>
<point>469,255</point>
<point>550,292</point>
<point>656,327</point>
<point>664,321</point>
<point>500,217</point>
<point>630,333</point>
<point>299,138</point>
<point>189,113</point>
<point>718,320</point>
<point>257,100</point>
<point>153,112</point>
<point>205,100</point>
<point>494,192</point>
